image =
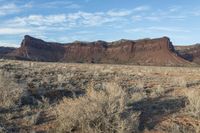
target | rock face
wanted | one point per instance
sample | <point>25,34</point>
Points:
<point>191,53</point>
<point>158,51</point>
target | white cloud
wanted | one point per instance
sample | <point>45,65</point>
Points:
<point>177,17</point>
<point>63,21</point>
<point>120,13</point>
<point>8,9</point>
<point>39,20</point>
<point>157,29</point>
<point>168,29</point>
<point>57,4</point>
<point>85,19</point>
<point>153,18</point>
<point>28,5</point>
<point>172,14</point>
<point>66,21</point>
<point>142,8</point>
<point>137,18</point>
<point>13,31</point>
<point>46,24</point>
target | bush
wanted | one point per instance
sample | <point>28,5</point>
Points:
<point>97,111</point>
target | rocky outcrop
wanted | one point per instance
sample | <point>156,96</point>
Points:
<point>191,53</point>
<point>158,51</point>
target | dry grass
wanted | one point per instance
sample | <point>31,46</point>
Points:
<point>181,81</point>
<point>97,112</point>
<point>10,92</point>
<point>194,103</point>
<point>104,106</point>
<point>189,118</point>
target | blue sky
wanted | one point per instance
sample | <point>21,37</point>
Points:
<point>90,20</point>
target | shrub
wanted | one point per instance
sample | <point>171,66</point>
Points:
<point>10,92</point>
<point>97,111</point>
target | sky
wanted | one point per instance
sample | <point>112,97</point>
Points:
<point>89,20</point>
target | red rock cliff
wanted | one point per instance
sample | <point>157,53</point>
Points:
<point>158,51</point>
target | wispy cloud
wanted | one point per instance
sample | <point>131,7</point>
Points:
<point>142,8</point>
<point>8,9</point>
<point>171,14</point>
<point>66,21</point>
<point>13,31</point>
<point>56,4</point>
<point>157,29</point>
<point>175,8</point>
<point>119,13</point>
<point>13,7</point>
<point>38,20</point>
<point>170,29</point>
<point>55,22</point>
<point>125,12</point>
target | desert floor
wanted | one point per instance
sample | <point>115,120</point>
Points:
<point>67,97</point>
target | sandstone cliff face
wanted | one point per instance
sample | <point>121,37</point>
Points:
<point>90,52</point>
<point>39,50</point>
<point>158,51</point>
<point>191,53</point>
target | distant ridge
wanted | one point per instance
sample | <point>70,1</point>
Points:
<point>191,53</point>
<point>6,50</point>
